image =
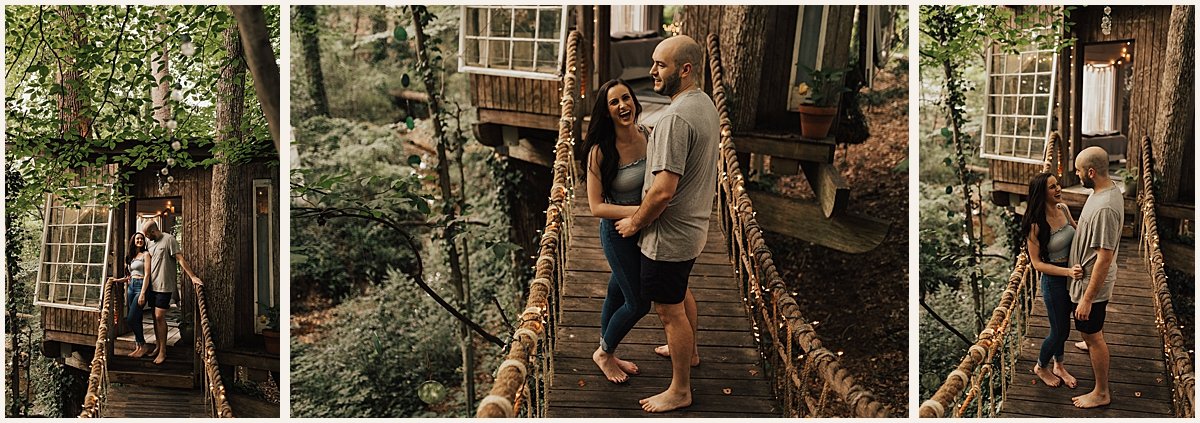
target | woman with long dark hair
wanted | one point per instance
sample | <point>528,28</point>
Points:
<point>614,152</point>
<point>1048,229</point>
<point>137,265</point>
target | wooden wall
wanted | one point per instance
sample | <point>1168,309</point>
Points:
<point>516,94</point>
<point>777,68</point>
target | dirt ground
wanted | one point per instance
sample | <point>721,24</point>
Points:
<point>861,300</point>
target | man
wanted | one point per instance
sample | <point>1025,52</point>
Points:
<point>1095,248</point>
<point>680,183</point>
<point>166,259</point>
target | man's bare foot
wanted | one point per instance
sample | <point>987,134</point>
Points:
<point>627,366</point>
<point>665,351</point>
<point>160,359</point>
<point>608,364</point>
<point>1081,345</point>
<point>1092,400</point>
<point>1046,376</point>
<point>666,401</point>
<point>1061,371</point>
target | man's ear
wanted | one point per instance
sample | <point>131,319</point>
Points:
<point>685,70</point>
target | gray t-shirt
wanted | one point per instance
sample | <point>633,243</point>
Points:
<point>163,263</point>
<point>685,142</point>
<point>1099,227</point>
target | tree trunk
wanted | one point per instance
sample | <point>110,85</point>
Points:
<point>260,58</point>
<point>1175,125</point>
<point>306,26</point>
<point>699,21</point>
<point>160,64</point>
<point>72,122</point>
<point>230,199</point>
<point>742,47</point>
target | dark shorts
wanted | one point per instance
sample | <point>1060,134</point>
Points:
<point>665,282</point>
<point>158,299</point>
<point>1095,321</point>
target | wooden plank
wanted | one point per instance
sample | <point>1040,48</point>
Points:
<point>827,183</point>
<point>1180,257</point>
<point>529,151</point>
<point>787,147</point>
<point>519,119</point>
<point>804,220</point>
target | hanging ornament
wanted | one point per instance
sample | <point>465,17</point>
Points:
<point>171,124</point>
<point>170,161</point>
<point>170,179</point>
<point>187,48</point>
<point>164,171</point>
<point>176,95</point>
<point>176,146</point>
<point>1106,21</point>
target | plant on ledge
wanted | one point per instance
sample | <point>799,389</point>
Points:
<point>821,88</point>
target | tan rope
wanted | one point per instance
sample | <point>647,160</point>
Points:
<point>214,389</point>
<point>512,385</point>
<point>754,263</point>
<point>97,389</point>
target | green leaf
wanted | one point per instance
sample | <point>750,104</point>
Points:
<point>946,133</point>
<point>400,33</point>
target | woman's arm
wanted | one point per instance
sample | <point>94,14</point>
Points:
<point>1035,257</point>
<point>596,192</point>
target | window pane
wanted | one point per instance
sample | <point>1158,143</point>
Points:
<point>524,23</point>
<point>522,55</point>
<point>498,54</point>
<point>548,24</point>
<point>1043,84</point>
<point>92,296</point>
<point>1045,61</point>
<point>500,22</point>
<point>547,57</point>
<point>810,38</point>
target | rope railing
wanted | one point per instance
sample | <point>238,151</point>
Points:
<point>522,379</point>
<point>794,350</point>
<point>214,390</point>
<point>97,389</point>
<point>990,361</point>
<point>1179,362</point>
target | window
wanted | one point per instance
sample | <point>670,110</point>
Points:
<point>520,41</point>
<point>265,290</point>
<point>1020,95</point>
<point>811,25</point>
<point>633,20</point>
<point>75,243</point>
<point>1099,99</point>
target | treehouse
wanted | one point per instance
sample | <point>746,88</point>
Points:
<point>514,56</point>
<point>1110,90</point>
<point>85,242</point>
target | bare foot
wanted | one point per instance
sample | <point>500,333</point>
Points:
<point>1092,400</point>
<point>665,351</point>
<point>137,352</point>
<point>160,359</point>
<point>666,401</point>
<point>608,364</point>
<point>1061,371</point>
<point>627,366</point>
<point>1046,376</point>
<point>1081,345</point>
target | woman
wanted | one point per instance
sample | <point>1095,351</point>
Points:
<point>137,264</point>
<point>615,153</point>
<point>1048,230</point>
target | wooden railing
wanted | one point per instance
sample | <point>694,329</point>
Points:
<point>805,372</point>
<point>1179,362</point>
<point>97,389</point>
<point>521,380</point>
<point>214,389</point>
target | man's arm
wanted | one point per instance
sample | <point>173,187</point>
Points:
<point>187,270</point>
<point>1104,260</point>
<point>656,200</point>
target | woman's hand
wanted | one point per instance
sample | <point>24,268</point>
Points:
<point>1077,272</point>
<point>142,300</point>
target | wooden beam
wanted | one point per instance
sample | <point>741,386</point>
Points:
<point>520,119</point>
<point>530,152</point>
<point>804,220</point>
<point>787,147</point>
<point>1176,211</point>
<point>250,359</point>
<point>1179,256</point>
<point>833,193</point>
<point>69,337</point>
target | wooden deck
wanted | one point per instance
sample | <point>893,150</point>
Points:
<point>147,401</point>
<point>729,356</point>
<point>1138,380</point>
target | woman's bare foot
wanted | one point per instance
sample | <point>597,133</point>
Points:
<point>608,364</point>
<point>1046,376</point>
<point>1066,377</point>
<point>162,356</point>
<point>1092,400</point>
<point>1081,345</point>
<point>138,352</point>
<point>666,401</point>
<point>628,366</point>
<point>665,351</point>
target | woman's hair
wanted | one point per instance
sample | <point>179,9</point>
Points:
<point>602,132</point>
<point>1035,213</point>
<point>133,250</point>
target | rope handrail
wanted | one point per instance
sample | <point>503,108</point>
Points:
<point>523,376</point>
<point>1179,362</point>
<point>797,349</point>
<point>214,390</point>
<point>97,389</point>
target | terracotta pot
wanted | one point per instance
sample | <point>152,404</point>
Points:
<point>815,121</point>
<point>271,340</point>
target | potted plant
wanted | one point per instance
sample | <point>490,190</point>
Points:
<point>271,331</point>
<point>821,88</point>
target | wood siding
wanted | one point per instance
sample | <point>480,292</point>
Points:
<point>773,114</point>
<point>515,94</point>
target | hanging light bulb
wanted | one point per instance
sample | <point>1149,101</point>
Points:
<point>171,124</point>
<point>176,146</point>
<point>187,48</point>
<point>1106,21</point>
<point>170,161</point>
<point>176,95</point>
<point>164,171</point>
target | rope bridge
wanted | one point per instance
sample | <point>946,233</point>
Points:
<point>980,385</point>
<point>807,378</point>
<point>97,390</point>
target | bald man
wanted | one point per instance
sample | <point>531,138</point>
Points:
<point>677,197</point>
<point>166,260</point>
<point>1095,248</point>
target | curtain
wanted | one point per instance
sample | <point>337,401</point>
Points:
<point>1099,99</point>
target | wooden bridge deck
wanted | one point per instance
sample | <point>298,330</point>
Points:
<point>729,356</point>
<point>1138,379</point>
<point>149,401</point>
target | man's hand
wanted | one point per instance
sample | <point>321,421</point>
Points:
<point>627,228</point>
<point>196,281</point>
<point>1083,310</point>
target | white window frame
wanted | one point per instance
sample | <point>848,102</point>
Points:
<point>988,115</point>
<point>463,37</point>
<point>794,99</point>
<point>45,254</point>
<point>263,183</point>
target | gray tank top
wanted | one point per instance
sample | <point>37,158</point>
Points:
<point>1059,247</point>
<point>137,268</point>
<point>626,187</point>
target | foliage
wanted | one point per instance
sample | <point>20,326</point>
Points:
<point>941,351</point>
<point>822,86</point>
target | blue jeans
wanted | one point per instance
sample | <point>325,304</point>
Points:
<point>623,305</point>
<point>134,315</point>
<point>1058,309</point>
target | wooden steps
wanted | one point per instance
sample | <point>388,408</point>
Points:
<point>148,402</point>
<point>176,372</point>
